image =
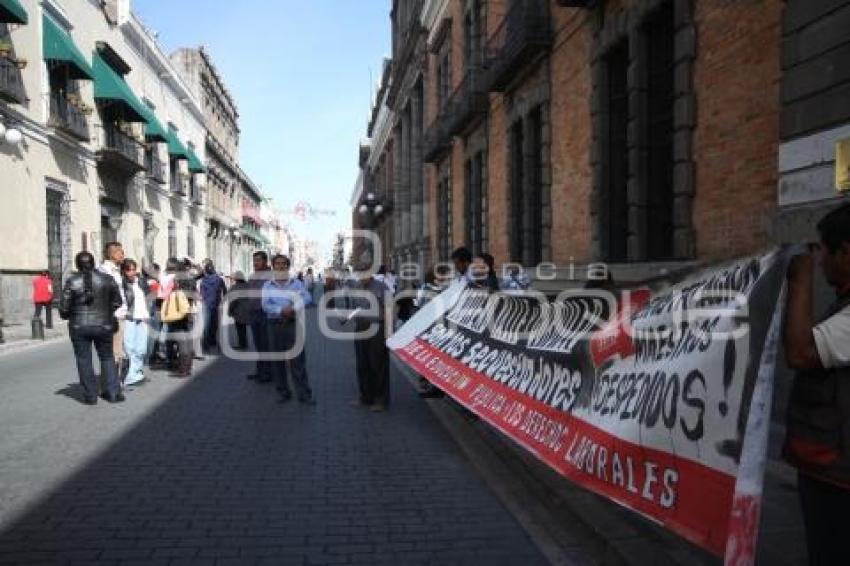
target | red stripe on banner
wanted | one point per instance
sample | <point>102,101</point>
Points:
<point>688,498</point>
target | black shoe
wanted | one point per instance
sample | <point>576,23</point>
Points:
<point>285,397</point>
<point>119,398</point>
<point>90,401</point>
<point>264,380</point>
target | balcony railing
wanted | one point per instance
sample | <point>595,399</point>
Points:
<point>120,150</point>
<point>68,118</point>
<point>156,168</point>
<point>468,102</point>
<point>179,183</point>
<point>11,83</point>
<point>523,33</point>
<point>437,140</point>
<point>196,193</point>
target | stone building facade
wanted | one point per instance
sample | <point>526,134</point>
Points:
<point>224,184</point>
<point>110,147</point>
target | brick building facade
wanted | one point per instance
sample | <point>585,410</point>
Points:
<point>642,133</point>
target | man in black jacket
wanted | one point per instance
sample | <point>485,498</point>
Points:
<point>89,300</point>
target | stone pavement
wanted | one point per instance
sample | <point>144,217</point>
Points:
<point>212,470</point>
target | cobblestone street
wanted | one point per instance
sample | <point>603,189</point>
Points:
<point>214,471</point>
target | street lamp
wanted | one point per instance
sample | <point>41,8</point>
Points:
<point>371,210</point>
<point>371,205</point>
<point>13,136</point>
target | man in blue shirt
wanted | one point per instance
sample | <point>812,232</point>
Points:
<point>282,311</point>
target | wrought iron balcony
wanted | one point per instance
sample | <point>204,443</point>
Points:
<point>437,140</point>
<point>524,33</point>
<point>120,150</point>
<point>155,167</point>
<point>179,183</point>
<point>468,102</point>
<point>11,83</point>
<point>197,194</point>
<point>68,118</point>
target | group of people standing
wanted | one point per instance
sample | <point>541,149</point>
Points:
<point>272,303</point>
<point>132,317</point>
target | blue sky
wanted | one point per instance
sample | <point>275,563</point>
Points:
<point>300,73</point>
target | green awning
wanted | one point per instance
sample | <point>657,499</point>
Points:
<point>195,163</point>
<point>109,85</point>
<point>11,12</point>
<point>59,48</point>
<point>154,130</point>
<point>175,146</point>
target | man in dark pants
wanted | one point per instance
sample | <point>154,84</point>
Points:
<point>285,315</point>
<point>212,289</point>
<point>373,360</point>
<point>259,324</point>
<point>89,300</point>
<point>817,439</point>
<point>239,308</point>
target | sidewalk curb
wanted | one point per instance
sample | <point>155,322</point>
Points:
<point>569,524</point>
<point>25,345</point>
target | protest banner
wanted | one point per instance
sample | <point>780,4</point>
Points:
<point>644,396</point>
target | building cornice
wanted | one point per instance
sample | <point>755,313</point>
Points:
<point>163,67</point>
<point>219,81</point>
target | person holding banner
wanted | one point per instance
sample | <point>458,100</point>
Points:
<point>818,428</point>
<point>462,259</point>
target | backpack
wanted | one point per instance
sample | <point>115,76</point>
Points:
<point>175,307</point>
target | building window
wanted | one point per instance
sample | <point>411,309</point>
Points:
<point>659,136</point>
<point>516,177</point>
<point>473,34</point>
<point>58,236</point>
<point>444,80</point>
<point>172,239</point>
<point>444,216</point>
<point>643,177</point>
<point>476,203</point>
<point>526,188</point>
<point>615,158</point>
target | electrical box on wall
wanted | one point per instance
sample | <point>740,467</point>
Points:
<point>842,165</point>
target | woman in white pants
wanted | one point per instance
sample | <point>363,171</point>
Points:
<point>136,327</point>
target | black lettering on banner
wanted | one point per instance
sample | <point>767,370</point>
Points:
<point>670,403</point>
<point>693,432</point>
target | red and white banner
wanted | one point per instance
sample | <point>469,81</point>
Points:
<point>658,399</point>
